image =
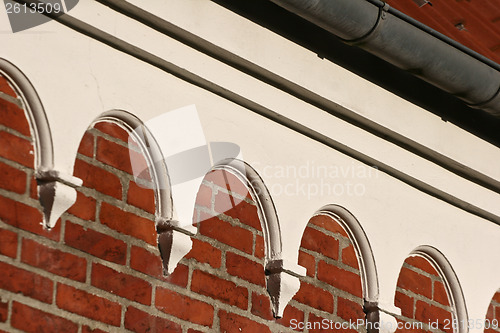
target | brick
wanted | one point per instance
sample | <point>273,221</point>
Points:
<point>87,145</point>
<point>259,251</point>
<point>87,329</point>
<point>146,262</point>
<point>113,154</point>
<point>54,261</point>
<point>349,310</point>
<point>133,143</point>
<point>113,130</point>
<point>27,218</point>
<point>16,149</point>
<point>245,269</point>
<point>29,284</point>
<point>405,303</point>
<point>12,179</point>
<point>496,297</point>
<point>84,207</point>
<point>140,166</point>
<point>415,282</point>
<point>319,242</point>
<point>225,291</point>
<point>95,243</point>
<point>245,212</point>
<point>205,253</point>
<point>179,276</point>
<point>440,294</point>
<point>490,314</point>
<point>184,307</point>
<point>142,322</point>
<point>314,297</point>
<point>261,306</point>
<point>28,319</point>
<point>204,197</point>
<point>422,264</point>
<point>91,306</point>
<point>140,197</point>
<point>340,278</point>
<point>228,234</point>
<point>349,257</point>
<point>200,216</point>
<point>233,323</point>
<point>309,262</point>
<point>228,181</point>
<point>4,311</point>
<point>128,223</point>
<point>33,188</point>
<point>121,284</point>
<point>329,224</point>
<point>8,243</point>
<point>99,179</point>
<point>425,312</point>
<point>291,313</point>
<point>13,117</point>
<point>6,88</point>
<point>314,324</point>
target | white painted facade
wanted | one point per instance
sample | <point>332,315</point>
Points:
<point>78,79</point>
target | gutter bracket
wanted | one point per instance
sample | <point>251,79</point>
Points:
<point>484,105</point>
<point>384,10</point>
<point>174,243</point>
<point>57,193</point>
<point>282,284</point>
<point>382,15</point>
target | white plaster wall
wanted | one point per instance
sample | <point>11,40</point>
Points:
<point>257,44</point>
<point>78,79</point>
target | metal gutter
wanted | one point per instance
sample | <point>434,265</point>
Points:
<point>183,74</point>
<point>299,92</point>
<point>389,34</point>
<point>438,35</point>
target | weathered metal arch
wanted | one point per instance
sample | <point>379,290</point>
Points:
<point>55,189</point>
<point>354,230</point>
<point>154,157</point>
<point>450,281</point>
<point>265,206</point>
<point>282,277</point>
<point>44,152</point>
<point>367,267</point>
<point>174,242</point>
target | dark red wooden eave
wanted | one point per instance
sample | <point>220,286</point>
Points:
<point>473,23</point>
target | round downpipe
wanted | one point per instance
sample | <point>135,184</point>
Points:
<point>374,27</point>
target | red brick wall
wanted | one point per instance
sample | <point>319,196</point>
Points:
<point>332,287</point>
<point>100,269</point>
<point>492,322</point>
<point>422,297</point>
